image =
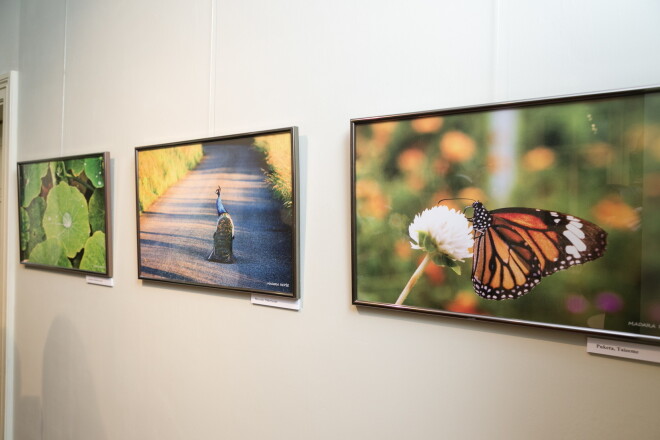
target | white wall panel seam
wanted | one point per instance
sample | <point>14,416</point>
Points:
<point>499,77</point>
<point>212,70</point>
<point>64,53</point>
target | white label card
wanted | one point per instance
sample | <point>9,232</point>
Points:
<point>274,301</point>
<point>109,282</point>
<point>630,350</point>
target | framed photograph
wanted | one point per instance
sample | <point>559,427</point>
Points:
<point>542,213</point>
<point>64,214</point>
<point>220,212</point>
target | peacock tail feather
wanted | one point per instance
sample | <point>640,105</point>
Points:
<point>223,240</point>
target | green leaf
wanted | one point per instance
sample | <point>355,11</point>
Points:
<point>444,260</point>
<point>97,210</point>
<point>449,262</point>
<point>50,253</point>
<point>438,259</point>
<point>35,231</point>
<point>31,181</point>
<point>76,166</point>
<point>25,227</point>
<point>426,242</point>
<point>94,171</point>
<point>67,218</point>
<point>456,269</point>
<point>57,171</point>
<point>93,258</point>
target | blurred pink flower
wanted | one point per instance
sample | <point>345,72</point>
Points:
<point>609,302</point>
<point>576,304</point>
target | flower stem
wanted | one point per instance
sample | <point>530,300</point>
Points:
<point>413,280</point>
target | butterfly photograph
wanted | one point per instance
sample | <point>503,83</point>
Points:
<point>543,212</point>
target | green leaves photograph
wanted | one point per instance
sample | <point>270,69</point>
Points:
<point>63,213</point>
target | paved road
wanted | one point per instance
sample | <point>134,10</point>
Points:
<point>176,233</point>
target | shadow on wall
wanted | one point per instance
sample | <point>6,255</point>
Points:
<point>68,408</point>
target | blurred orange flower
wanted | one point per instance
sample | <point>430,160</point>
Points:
<point>366,188</point>
<point>382,133</point>
<point>427,125</point>
<point>371,201</point>
<point>538,159</point>
<point>474,193</point>
<point>599,154</point>
<point>434,273</point>
<point>441,166</point>
<point>415,182</point>
<point>457,146</point>
<point>464,302</point>
<point>616,213</point>
<point>411,159</point>
<point>369,145</point>
<point>402,249</point>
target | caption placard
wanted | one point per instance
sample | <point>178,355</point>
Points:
<point>630,350</point>
<point>108,282</point>
<point>273,301</point>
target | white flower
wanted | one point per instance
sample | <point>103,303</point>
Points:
<point>440,230</point>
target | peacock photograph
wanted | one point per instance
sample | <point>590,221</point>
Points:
<point>219,212</point>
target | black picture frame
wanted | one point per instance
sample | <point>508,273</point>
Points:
<point>64,214</point>
<point>594,156</point>
<point>250,243</point>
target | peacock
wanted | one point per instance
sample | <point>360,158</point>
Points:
<point>224,234</point>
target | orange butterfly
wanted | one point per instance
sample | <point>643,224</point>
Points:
<point>515,247</point>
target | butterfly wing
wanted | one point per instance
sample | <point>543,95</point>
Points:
<point>504,266</point>
<point>522,245</point>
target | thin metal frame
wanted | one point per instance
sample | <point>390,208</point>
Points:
<point>354,123</point>
<point>295,233</point>
<point>108,212</point>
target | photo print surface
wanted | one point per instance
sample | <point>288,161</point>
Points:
<point>64,214</point>
<point>544,213</point>
<point>220,212</point>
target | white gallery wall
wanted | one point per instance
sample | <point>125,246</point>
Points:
<point>9,22</point>
<point>149,361</point>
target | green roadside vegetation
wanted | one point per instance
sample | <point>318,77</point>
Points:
<point>161,168</point>
<point>277,151</point>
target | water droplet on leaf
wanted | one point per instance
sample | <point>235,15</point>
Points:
<point>66,220</point>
